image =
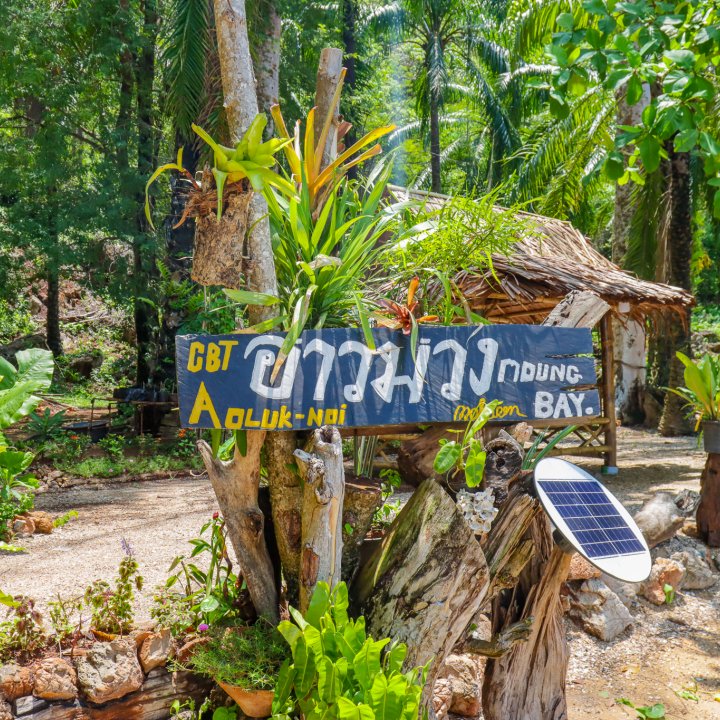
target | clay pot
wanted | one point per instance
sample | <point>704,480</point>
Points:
<point>254,703</point>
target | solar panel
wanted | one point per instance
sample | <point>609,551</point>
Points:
<point>592,520</point>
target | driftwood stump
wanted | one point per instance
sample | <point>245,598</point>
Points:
<point>362,499</point>
<point>417,455</point>
<point>426,580</point>
<point>708,511</point>
<point>321,467</point>
<point>218,254</point>
<point>236,484</point>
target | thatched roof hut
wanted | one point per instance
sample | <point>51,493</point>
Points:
<point>550,259</point>
<point>545,266</point>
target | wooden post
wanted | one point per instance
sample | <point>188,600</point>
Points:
<point>708,511</point>
<point>322,470</point>
<point>608,393</point>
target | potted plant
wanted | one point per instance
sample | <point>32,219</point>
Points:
<point>244,660</point>
<point>702,394</point>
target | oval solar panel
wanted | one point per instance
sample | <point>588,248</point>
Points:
<point>592,520</point>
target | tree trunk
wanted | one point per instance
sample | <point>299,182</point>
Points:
<point>267,65</point>
<point>237,488</point>
<point>436,183</point>
<point>329,75</point>
<point>143,240</point>
<point>52,304</point>
<point>674,420</point>
<point>321,467</point>
<point>236,484</point>
<point>630,371</point>
<point>349,39</point>
<point>708,511</point>
<point>426,580</point>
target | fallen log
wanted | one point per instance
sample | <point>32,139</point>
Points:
<point>321,467</point>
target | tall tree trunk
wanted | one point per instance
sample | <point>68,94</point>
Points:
<point>231,480</point>
<point>52,304</point>
<point>631,357</point>
<point>143,242</point>
<point>435,184</point>
<point>673,420</point>
<point>329,75</point>
<point>267,66</point>
<point>349,38</point>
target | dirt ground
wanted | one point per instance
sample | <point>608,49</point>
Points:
<point>667,650</point>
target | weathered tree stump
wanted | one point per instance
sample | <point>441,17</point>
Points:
<point>426,580</point>
<point>362,499</point>
<point>503,464</point>
<point>708,511</point>
<point>417,455</point>
<point>236,484</point>
<point>321,467</point>
<point>218,254</point>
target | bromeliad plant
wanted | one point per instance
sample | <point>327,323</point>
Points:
<point>250,159</point>
<point>338,672</point>
<point>305,160</point>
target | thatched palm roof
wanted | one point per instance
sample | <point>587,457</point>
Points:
<point>545,266</point>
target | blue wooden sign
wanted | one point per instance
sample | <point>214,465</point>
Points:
<point>332,377</point>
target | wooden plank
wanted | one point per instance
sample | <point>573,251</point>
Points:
<point>608,391</point>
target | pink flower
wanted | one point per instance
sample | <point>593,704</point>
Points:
<point>203,627</point>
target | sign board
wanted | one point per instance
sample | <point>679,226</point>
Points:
<point>332,377</point>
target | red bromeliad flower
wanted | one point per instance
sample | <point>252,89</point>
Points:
<point>402,316</point>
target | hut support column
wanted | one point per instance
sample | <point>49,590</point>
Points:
<point>608,393</point>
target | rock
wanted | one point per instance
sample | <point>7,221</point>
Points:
<point>186,651</point>
<point>5,712</point>
<point>659,518</point>
<point>698,575</point>
<point>55,679</point>
<point>441,699</point>
<point>464,675</point>
<point>599,611</point>
<point>626,592</point>
<point>664,572</point>
<point>28,705</point>
<point>23,526</point>
<point>15,681</point>
<point>43,521</point>
<point>110,670</point>
<point>84,364</point>
<point>581,569</point>
<point>155,650</point>
<point>687,501</point>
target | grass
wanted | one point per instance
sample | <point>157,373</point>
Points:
<point>105,467</point>
<point>706,317</point>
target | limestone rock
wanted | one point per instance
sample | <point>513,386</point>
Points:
<point>441,699</point>
<point>28,705</point>
<point>15,681</point>
<point>698,575</point>
<point>5,713</point>
<point>464,674</point>
<point>156,650</point>
<point>659,518</point>
<point>110,670</point>
<point>664,572</point>
<point>55,679</point>
<point>599,611</point>
<point>43,521</point>
<point>626,591</point>
<point>23,527</point>
<point>581,569</point>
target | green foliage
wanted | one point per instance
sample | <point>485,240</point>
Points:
<point>337,671</point>
<point>205,589</point>
<point>467,454</point>
<point>112,609</point>
<point>702,386</point>
<point>65,518</point>
<point>63,613</point>
<point>46,426</point>
<point>389,483</point>
<point>114,446</point>
<point>645,712</point>
<point>669,592</point>
<point>535,454</point>
<point>675,48</point>
<point>247,656</point>
<point>23,633</point>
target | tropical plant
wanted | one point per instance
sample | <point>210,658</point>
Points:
<point>210,591</point>
<point>536,453</point>
<point>47,426</point>
<point>338,671</point>
<point>250,159</point>
<point>467,454</point>
<point>245,656</point>
<point>23,632</point>
<point>702,387</point>
<point>402,316</point>
<point>306,163</point>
